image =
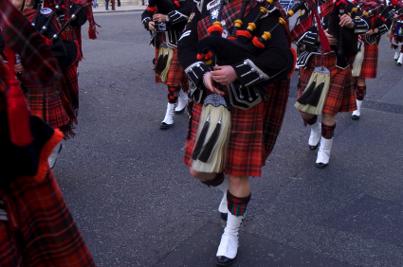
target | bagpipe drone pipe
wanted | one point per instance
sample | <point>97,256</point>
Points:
<point>379,15</point>
<point>73,10</point>
<point>66,52</point>
<point>346,46</point>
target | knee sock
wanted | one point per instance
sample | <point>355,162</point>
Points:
<point>173,94</point>
<point>361,91</point>
<point>237,205</point>
<point>328,131</point>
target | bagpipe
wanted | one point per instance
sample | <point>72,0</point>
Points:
<point>81,10</point>
<point>243,43</point>
<point>46,24</point>
<point>376,12</point>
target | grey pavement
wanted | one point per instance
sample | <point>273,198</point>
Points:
<point>136,205</point>
<point>123,8</point>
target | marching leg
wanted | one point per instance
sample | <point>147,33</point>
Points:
<point>168,120</point>
<point>223,207</point>
<point>396,56</point>
<point>400,59</point>
<point>182,102</point>
<point>360,93</point>
<point>228,248</point>
<point>325,147</point>
<point>315,134</point>
<point>221,183</point>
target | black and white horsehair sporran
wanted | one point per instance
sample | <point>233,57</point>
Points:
<point>212,136</point>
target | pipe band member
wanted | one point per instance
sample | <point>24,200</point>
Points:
<point>332,24</point>
<point>236,55</point>
<point>166,19</point>
<point>36,227</point>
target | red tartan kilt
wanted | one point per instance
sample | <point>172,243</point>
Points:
<point>253,133</point>
<point>370,63</point>
<point>40,220</point>
<point>341,97</point>
<point>47,103</point>
<point>176,76</point>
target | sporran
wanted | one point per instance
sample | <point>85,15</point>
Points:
<point>163,62</point>
<point>314,96</point>
<point>212,136</point>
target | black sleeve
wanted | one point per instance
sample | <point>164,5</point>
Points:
<point>382,25</point>
<point>187,49</point>
<point>361,25</point>
<point>275,61</point>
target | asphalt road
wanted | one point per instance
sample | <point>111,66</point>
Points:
<point>135,204</point>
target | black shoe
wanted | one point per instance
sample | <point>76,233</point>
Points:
<point>355,118</point>
<point>224,261</point>
<point>224,216</point>
<point>321,165</point>
<point>164,126</point>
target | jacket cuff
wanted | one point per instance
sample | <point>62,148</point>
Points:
<point>383,29</point>
<point>310,40</point>
<point>361,26</point>
<point>249,74</point>
<point>145,21</point>
<point>196,71</point>
<point>177,17</point>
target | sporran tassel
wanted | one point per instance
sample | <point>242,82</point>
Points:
<point>200,140</point>
<point>208,148</point>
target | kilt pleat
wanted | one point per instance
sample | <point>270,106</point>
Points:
<point>41,231</point>
<point>71,81</point>
<point>46,102</point>
<point>341,96</point>
<point>253,132</point>
<point>370,63</point>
